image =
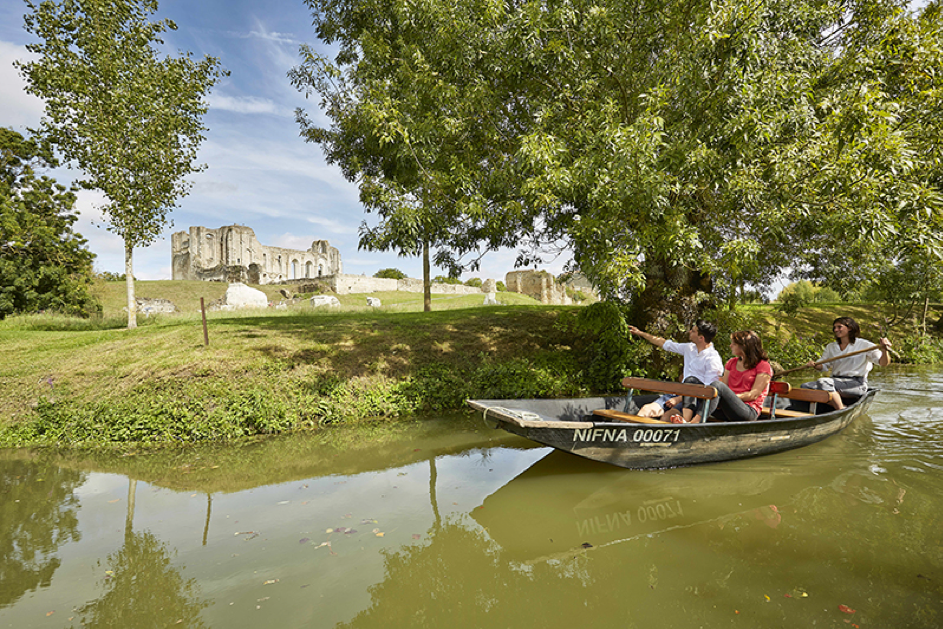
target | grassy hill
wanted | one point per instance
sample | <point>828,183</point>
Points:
<point>72,381</point>
<point>186,296</point>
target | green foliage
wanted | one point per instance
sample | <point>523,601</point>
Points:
<point>826,295</point>
<point>109,276</point>
<point>390,274</point>
<point>795,296</point>
<point>44,265</point>
<point>737,139</point>
<point>474,281</point>
<point>921,350</point>
<point>603,348</point>
<point>445,279</point>
<point>130,121</point>
<point>500,286</point>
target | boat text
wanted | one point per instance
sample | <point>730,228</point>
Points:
<point>638,435</point>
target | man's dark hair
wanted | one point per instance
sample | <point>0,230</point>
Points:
<point>851,324</point>
<point>706,329</point>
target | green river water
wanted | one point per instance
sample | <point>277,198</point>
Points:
<point>449,523</point>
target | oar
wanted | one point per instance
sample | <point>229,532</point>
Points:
<point>822,362</point>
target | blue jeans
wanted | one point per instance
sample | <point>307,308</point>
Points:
<point>728,406</point>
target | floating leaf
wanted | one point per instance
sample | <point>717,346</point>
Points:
<point>349,531</point>
<point>49,614</point>
<point>766,597</point>
<point>587,545</point>
<point>304,540</point>
<point>329,531</point>
<point>114,501</point>
<point>846,609</point>
<point>417,536</point>
<point>270,582</point>
<point>380,534</point>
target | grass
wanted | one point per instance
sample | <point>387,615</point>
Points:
<point>69,381</point>
<point>186,296</point>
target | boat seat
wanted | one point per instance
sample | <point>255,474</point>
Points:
<point>779,389</point>
<point>619,416</point>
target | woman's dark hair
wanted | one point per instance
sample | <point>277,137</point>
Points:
<point>706,329</point>
<point>753,351</point>
<point>853,329</point>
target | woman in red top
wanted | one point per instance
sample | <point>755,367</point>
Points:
<point>745,383</point>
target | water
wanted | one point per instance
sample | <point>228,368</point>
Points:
<point>451,524</point>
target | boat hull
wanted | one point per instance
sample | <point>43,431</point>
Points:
<point>569,425</point>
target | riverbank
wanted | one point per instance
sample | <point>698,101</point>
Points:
<point>68,382</point>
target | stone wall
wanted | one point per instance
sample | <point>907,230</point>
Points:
<point>347,284</point>
<point>234,254</point>
<point>540,285</point>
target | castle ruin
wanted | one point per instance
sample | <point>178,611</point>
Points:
<point>234,254</point>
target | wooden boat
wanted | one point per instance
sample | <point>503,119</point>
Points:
<point>595,428</point>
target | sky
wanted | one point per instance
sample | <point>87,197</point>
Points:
<point>260,173</point>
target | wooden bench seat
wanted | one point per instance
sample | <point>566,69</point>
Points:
<point>783,389</point>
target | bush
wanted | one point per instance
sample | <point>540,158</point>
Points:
<point>474,282</point>
<point>795,296</point>
<point>442,279</point>
<point>390,274</point>
<point>500,286</point>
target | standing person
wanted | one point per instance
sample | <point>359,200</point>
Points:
<point>702,363</point>
<point>849,375</point>
<point>745,383</point>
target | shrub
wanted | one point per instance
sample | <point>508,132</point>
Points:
<point>390,274</point>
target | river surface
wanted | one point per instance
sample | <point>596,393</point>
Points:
<point>449,523</point>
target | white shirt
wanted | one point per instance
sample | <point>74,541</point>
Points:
<point>707,365</point>
<point>854,367</point>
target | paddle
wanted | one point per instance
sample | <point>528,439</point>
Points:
<point>855,353</point>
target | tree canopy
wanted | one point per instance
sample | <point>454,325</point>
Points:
<point>679,149</point>
<point>130,120</point>
<point>44,264</point>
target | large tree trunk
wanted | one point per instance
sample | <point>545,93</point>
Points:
<point>426,280</point>
<point>129,282</point>
<point>672,300</point>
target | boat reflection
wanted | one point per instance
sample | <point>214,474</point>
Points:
<point>563,504</point>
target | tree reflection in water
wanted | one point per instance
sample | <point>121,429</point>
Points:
<point>34,529</point>
<point>142,587</point>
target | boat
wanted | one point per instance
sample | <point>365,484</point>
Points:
<point>595,428</point>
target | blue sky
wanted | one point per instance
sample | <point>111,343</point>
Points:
<point>260,172</point>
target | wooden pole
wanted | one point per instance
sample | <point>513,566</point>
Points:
<point>206,335</point>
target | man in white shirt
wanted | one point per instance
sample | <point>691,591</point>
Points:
<point>849,375</point>
<point>702,363</point>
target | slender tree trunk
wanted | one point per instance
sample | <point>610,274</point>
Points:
<point>129,282</point>
<point>426,280</point>
<point>923,319</point>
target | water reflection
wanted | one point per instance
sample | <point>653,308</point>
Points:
<point>449,523</point>
<point>38,514</point>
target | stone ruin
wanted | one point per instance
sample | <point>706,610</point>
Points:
<point>540,285</point>
<point>234,254</point>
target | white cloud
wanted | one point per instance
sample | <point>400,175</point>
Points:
<point>247,105</point>
<point>17,108</point>
<point>335,227</point>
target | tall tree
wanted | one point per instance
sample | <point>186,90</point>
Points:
<point>127,118</point>
<point>44,264</point>
<point>666,143</point>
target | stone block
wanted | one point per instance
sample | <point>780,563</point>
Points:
<point>329,301</point>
